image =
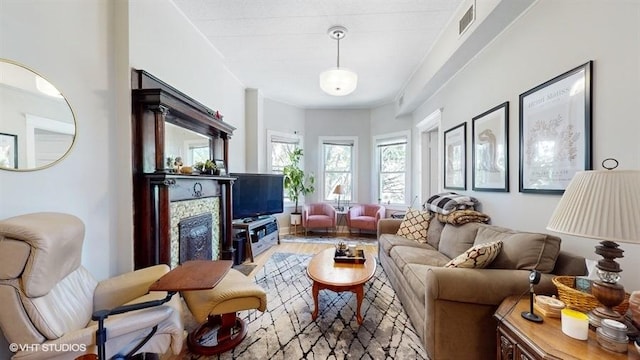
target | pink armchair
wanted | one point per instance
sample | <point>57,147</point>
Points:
<point>318,216</point>
<point>365,217</point>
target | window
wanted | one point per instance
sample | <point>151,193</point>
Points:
<point>280,145</point>
<point>196,151</point>
<point>392,163</point>
<point>338,166</point>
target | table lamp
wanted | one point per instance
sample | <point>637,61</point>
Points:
<point>339,190</point>
<point>604,205</point>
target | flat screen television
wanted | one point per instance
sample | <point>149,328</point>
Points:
<point>256,195</point>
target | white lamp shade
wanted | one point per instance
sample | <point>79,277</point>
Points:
<point>339,189</point>
<point>601,205</point>
<point>338,81</point>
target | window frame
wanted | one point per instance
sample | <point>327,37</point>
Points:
<point>320,180</point>
<point>293,138</point>
<point>390,138</point>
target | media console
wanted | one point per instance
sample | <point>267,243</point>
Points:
<point>259,234</point>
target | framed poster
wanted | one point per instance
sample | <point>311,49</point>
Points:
<point>555,131</point>
<point>490,150</point>
<point>8,151</point>
<point>220,166</point>
<point>455,160</point>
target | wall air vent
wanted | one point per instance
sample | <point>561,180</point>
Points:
<point>466,20</point>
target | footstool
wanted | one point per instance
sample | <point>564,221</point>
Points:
<point>216,309</point>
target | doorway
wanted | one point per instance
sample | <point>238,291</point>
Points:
<point>429,155</point>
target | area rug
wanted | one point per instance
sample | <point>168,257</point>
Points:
<point>285,330</point>
<point>245,268</point>
<point>329,239</point>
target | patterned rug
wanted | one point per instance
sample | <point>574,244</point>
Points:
<point>330,238</point>
<point>286,331</point>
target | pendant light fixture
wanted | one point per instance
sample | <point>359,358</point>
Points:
<point>338,81</point>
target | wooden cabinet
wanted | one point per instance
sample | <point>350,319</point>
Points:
<point>259,234</point>
<point>156,108</point>
<point>520,339</point>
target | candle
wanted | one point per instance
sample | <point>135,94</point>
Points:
<point>575,324</point>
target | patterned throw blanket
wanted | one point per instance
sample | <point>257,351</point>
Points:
<point>445,203</point>
<point>460,217</point>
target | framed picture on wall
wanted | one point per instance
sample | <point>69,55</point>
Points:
<point>455,160</point>
<point>555,131</point>
<point>490,150</point>
<point>8,151</point>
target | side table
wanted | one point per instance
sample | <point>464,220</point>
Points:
<point>342,219</point>
<point>521,339</point>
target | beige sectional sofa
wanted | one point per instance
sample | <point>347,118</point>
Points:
<point>452,308</point>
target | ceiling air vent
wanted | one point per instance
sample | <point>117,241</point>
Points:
<point>466,20</point>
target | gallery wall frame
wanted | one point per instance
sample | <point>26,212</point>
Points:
<point>555,131</point>
<point>455,157</point>
<point>490,150</point>
<point>8,151</point>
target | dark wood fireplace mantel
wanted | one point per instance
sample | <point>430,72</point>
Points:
<point>154,104</point>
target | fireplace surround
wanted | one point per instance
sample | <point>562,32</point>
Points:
<point>163,197</point>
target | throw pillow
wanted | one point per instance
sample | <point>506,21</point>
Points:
<point>477,257</point>
<point>521,250</point>
<point>414,225</point>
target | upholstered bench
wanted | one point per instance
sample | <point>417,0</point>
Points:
<point>216,309</point>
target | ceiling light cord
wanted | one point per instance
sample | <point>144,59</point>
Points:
<point>338,81</point>
<point>338,38</point>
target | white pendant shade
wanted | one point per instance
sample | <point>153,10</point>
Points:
<point>338,81</point>
<point>602,205</point>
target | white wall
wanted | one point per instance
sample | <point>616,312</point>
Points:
<point>549,39</point>
<point>166,45</point>
<point>284,118</point>
<point>70,43</point>
<point>92,71</point>
<point>340,123</point>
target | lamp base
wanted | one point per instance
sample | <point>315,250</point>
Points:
<point>531,316</point>
<point>609,295</point>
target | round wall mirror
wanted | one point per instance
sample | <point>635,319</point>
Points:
<point>37,125</point>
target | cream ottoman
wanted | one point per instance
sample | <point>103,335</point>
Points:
<point>216,309</point>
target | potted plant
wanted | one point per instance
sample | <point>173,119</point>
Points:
<point>297,183</point>
<point>208,167</point>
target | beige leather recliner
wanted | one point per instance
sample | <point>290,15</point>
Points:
<point>47,297</point>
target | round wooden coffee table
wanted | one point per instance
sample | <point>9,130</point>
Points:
<point>328,274</point>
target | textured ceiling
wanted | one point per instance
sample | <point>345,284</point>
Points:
<point>281,46</point>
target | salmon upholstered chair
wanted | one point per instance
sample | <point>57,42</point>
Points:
<point>48,298</point>
<point>320,215</point>
<point>365,217</point>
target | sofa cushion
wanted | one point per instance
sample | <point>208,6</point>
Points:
<point>416,275</point>
<point>434,232</point>
<point>477,257</point>
<point>387,241</point>
<point>457,239</point>
<point>403,255</point>
<point>414,225</point>
<point>521,250</point>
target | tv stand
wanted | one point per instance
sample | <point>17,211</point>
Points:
<point>260,233</point>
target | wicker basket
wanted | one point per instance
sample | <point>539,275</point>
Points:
<point>581,301</point>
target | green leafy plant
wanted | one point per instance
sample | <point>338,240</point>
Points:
<point>205,166</point>
<point>295,181</point>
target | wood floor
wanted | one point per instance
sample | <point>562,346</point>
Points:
<point>261,259</point>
